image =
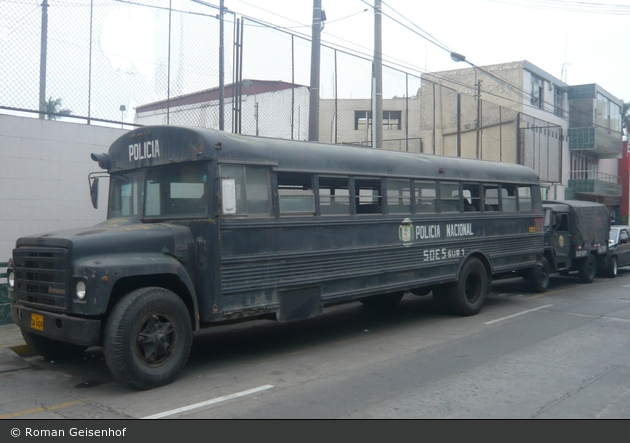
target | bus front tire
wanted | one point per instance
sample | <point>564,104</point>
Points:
<point>539,275</point>
<point>148,337</point>
<point>588,269</point>
<point>52,349</point>
<point>467,295</point>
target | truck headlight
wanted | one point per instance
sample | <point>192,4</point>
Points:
<point>11,279</point>
<point>80,290</point>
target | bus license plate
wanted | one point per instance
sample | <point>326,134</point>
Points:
<point>37,322</point>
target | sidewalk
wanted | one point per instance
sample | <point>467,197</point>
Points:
<point>11,337</point>
<point>12,348</point>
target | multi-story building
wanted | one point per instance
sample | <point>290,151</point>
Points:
<point>511,112</point>
<point>570,134</point>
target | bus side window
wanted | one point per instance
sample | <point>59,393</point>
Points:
<point>525,198</point>
<point>369,199</point>
<point>295,193</point>
<point>449,197</point>
<point>470,191</point>
<point>490,197</point>
<point>252,186</point>
<point>508,198</point>
<point>398,196</point>
<point>426,195</point>
<point>334,195</point>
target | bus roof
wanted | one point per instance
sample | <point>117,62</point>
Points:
<point>158,145</point>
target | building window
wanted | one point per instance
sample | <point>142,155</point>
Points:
<point>607,114</point>
<point>391,120</point>
<point>558,101</point>
<point>537,98</point>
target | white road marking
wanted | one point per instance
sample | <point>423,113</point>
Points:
<point>208,402</point>
<point>515,315</point>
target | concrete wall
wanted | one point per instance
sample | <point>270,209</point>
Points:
<point>44,167</point>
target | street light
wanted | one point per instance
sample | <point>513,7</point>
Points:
<point>462,58</point>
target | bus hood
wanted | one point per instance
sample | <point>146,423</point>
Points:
<point>119,235</point>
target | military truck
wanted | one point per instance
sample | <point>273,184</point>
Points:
<point>576,239</point>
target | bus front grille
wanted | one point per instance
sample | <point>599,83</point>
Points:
<point>41,276</point>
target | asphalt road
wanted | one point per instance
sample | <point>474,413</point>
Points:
<point>561,354</point>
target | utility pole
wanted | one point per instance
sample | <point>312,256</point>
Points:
<point>479,119</point>
<point>313,115</point>
<point>42,61</point>
<point>221,68</point>
<point>377,111</point>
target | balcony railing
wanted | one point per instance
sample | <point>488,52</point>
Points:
<point>593,182</point>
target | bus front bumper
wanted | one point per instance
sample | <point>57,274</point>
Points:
<point>61,327</point>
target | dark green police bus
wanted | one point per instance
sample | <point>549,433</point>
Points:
<point>206,227</point>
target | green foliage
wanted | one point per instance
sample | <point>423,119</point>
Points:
<point>54,110</point>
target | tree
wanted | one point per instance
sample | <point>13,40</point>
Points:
<point>54,110</point>
<point>625,116</point>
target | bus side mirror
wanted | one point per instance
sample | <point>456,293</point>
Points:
<point>94,192</point>
<point>228,196</point>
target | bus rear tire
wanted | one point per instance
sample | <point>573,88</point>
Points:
<point>382,301</point>
<point>588,269</point>
<point>467,295</point>
<point>148,337</point>
<point>52,349</point>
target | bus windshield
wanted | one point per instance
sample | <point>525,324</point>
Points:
<point>172,191</point>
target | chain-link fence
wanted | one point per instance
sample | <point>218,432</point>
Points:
<point>158,62</point>
<point>98,60</point>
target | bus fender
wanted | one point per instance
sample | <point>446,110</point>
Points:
<point>113,276</point>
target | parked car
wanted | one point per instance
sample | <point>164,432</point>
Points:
<point>618,250</point>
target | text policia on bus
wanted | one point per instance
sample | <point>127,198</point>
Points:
<point>206,227</point>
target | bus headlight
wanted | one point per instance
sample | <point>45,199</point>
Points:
<point>81,290</point>
<point>11,279</point>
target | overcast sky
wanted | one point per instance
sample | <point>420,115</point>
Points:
<point>577,42</point>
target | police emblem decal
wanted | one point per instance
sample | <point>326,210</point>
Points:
<point>405,232</point>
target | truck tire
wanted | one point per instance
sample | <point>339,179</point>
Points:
<point>148,337</point>
<point>382,301</point>
<point>587,269</point>
<point>611,269</point>
<point>467,295</point>
<point>539,275</point>
<point>52,349</point>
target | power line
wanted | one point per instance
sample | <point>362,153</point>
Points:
<point>568,6</point>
